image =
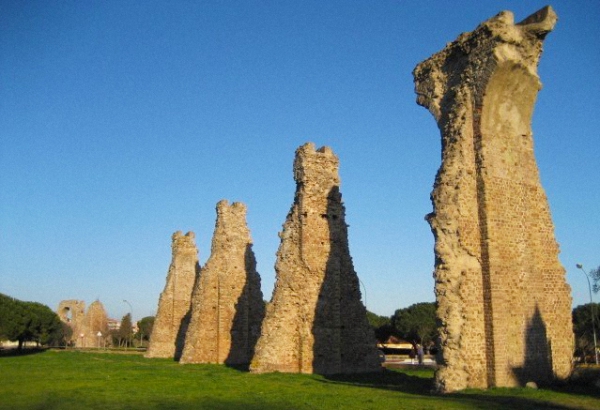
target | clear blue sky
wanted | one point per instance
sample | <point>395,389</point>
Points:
<point>124,121</point>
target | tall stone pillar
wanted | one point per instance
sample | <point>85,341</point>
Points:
<point>503,302</point>
<point>173,314</point>
<point>94,327</point>
<point>227,303</point>
<point>72,312</point>
<point>315,322</point>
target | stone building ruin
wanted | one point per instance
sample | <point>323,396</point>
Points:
<point>315,322</point>
<point>503,302</point>
<point>173,314</point>
<point>227,303</point>
<point>72,312</point>
<point>85,325</point>
<point>95,326</point>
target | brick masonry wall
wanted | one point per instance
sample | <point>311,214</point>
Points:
<point>315,322</point>
<point>227,303</point>
<point>174,304</point>
<point>503,302</point>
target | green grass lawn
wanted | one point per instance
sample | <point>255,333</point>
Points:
<point>79,380</point>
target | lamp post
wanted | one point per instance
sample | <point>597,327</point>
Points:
<point>364,291</point>
<point>130,312</point>
<point>99,334</point>
<point>580,266</point>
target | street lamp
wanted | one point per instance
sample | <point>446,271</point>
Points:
<point>580,266</point>
<point>364,291</point>
<point>130,311</point>
<point>99,334</point>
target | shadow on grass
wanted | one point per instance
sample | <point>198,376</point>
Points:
<point>583,382</point>
<point>22,352</point>
<point>477,399</point>
<point>492,401</point>
<point>386,380</point>
<point>241,367</point>
<point>206,403</point>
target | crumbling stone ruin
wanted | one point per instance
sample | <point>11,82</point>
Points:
<point>227,303</point>
<point>173,314</point>
<point>315,322</point>
<point>72,312</point>
<point>503,302</point>
<point>85,326</point>
<point>95,326</point>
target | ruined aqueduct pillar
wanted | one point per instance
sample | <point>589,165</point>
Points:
<point>85,325</point>
<point>94,321</point>
<point>72,312</point>
<point>173,313</point>
<point>315,322</point>
<point>227,303</point>
<point>503,302</point>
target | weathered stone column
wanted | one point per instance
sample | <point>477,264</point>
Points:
<point>503,302</point>
<point>72,312</point>
<point>315,322</point>
<point>95,321</point>
<point>227,303</point>
<point>174,305</point>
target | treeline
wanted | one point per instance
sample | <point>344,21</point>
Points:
<point>415,324</point>
<point>30,322</point>
<point>584,324</point>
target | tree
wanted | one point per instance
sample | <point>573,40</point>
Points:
<point>382,326</point>
<point>417,323</point>
<point>13,321</point>
<point>595,275</point>
<point>45,326</point>
<point>126,329</point>
<point>145,326</point>
<point>29,321</point>
<point>582,327</point>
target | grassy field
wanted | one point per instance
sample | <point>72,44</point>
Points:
<point>78,380</point>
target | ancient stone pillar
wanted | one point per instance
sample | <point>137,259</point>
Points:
<point>173,314</point>
<point>227,303</point>
<point>315,322</point>
<point>503,302</point>
<point>94,322</point>
<point>72,312</point>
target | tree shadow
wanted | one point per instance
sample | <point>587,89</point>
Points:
<point>537,365</point>
<point>249,314</point>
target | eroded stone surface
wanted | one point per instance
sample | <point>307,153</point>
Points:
<point>503,302</point>
<point>173,314</point>
<point>94,327</point>
<point>315,322</point>
<point>85,325</point>
<point>72,312</point>
<point>227,305</point>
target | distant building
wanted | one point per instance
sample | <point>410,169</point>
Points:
<point>113,324</point>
